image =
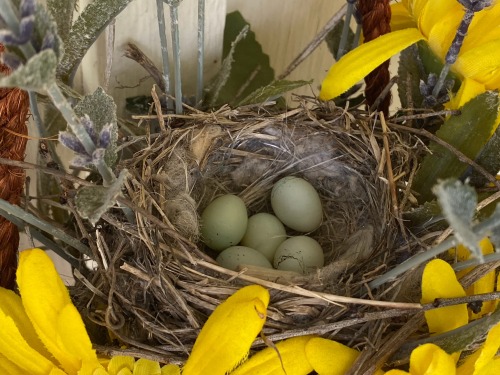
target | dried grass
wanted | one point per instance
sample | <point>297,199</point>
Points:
<point>156,283</point>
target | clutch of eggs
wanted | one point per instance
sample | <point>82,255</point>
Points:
<point>262,238</point>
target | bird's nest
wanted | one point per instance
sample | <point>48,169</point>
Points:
<point>155,283</point>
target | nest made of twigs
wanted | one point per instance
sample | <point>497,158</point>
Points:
<point>156,282</point>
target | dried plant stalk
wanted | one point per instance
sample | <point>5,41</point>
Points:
<point>14,106</point>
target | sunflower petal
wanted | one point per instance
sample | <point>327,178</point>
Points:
<point>146,367</point>
<point>12,306</point>
<point>228,333</point>
<point>400,18</point>
<point>292,358</point>
<point>439,281</point>
<point>46,301</point>
<point>119,362</point>
<point>431,359</point>
<point>469,89</point>
<point>481,64</point>
<point>481,360</point>
<point>15,348</point>
<point>356,64</point>
<point>328,357</point>
<point>170,369</point>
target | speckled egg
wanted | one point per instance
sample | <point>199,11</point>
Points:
<point>224,222</point>
<point>301,254</point>
<point>297,204</point>
<point>234,256</point>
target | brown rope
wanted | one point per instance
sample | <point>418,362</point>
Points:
<point>14,106</point>
<point>376,17</point>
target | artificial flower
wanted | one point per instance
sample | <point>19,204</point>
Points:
<point>43,332</point>
<point>428,359</point>
<point>486,284</point>
<point>439,281</point>
<point>436,22</point>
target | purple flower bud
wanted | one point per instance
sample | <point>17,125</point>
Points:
<point>475,5</point>
<point>105,136</point>
<point>81,161</point>
<point>70,141</point>
<point>11,60</point>
<point>49,41</point>
<point>98,156</point>
<point>89,127</point>
<point>27,8</point>
<point>26,27</point>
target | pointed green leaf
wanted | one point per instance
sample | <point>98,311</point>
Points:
<point>38,73</point>
<point>93,201</point>
<point>101,109</point>
<point>467,132</point>
<point>62,11</point>
<point>489,159</point>
<point>272,91</point>
<point>84,32</point>
<point>250,70</point>
<point>458,202</point>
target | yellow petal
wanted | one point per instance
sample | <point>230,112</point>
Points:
<point>12,306</point>
<point>439,281</point>
<point>146,367</point>
<point>480,360</point>
<point>328,357</point>
<point>435,12</point>
<point>228,333</point>
<point>397,372</point>
<point>481,30</point>
<point>356,64</point>
<point>15,348</point>
<point>48,305</point>
<point>442,33</point>
<point>292,357</point>
<point>120,362</point>
<point>481,64</point>
<point>170,369</point>
<point>430,359</point>
<point>401,18</point>
<point>10,368</point>
<point>469,89</point>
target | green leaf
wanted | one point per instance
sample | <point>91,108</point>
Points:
<point>454,341</point>
<point>272,91</point>
<point>246,67</point>
<point>84,32</point>
<point>458,203</point>
<point>101,109</point>
<point>62,11</point>
<point>93,201</point>
<point>38,73</point>
<point>333,38</point>
<point>489,159</point>
<point>467,132</point>
<point>410,73</point>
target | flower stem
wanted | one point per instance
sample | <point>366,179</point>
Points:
<point>345,29</point>
<point>201,50</point>
<point>482,229</point>
<point>164,50</point>
<point>174,20</point>
<point>453,51</point>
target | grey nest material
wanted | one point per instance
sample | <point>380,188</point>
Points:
<point>156,283</point>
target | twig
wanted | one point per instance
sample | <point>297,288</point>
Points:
<point>164,50</point>
<point>315,42</point>
<point>134,53</point>
<point>201,51</point>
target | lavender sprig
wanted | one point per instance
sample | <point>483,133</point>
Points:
<point>471,7</point>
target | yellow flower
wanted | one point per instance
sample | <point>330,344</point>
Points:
<point>436,22</point>
<point>439,281</point>
<point>486,284</point>
<point>43,333</point>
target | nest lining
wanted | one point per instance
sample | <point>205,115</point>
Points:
<point>157,283</point>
